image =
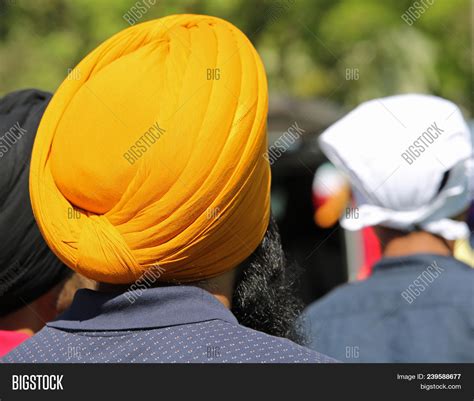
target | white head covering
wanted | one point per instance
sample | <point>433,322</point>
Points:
<point>396,151</point>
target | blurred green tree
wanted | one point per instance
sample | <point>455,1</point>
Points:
<point>343,50</point>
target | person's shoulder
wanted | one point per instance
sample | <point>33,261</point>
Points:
<point>455,283</point>
<point>29,350</point>
<point>460,270</point>
<point>339,301</point>
<point>265,348</point>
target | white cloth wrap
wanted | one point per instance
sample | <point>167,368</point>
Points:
<point>368,143</point>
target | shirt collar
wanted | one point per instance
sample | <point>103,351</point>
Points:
<point>141,309</point>
<point>418,260</point>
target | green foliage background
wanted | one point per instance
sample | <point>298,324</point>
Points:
<point>308,46</point>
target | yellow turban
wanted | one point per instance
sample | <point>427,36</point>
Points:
<point>152,151</point>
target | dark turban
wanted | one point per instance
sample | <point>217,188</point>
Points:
<point>28,269</point>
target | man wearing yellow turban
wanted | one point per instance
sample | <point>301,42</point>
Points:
<point>148,175</point>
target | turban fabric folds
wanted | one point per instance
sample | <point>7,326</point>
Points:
<point>28,269</point>
<point>157,144</point>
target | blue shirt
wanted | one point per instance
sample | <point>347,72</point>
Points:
<point>418,308</point>
<point>166,324</point>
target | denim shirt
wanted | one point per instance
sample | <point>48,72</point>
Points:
<point>418,308</point>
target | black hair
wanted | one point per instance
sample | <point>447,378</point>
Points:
<point>265,296</point>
